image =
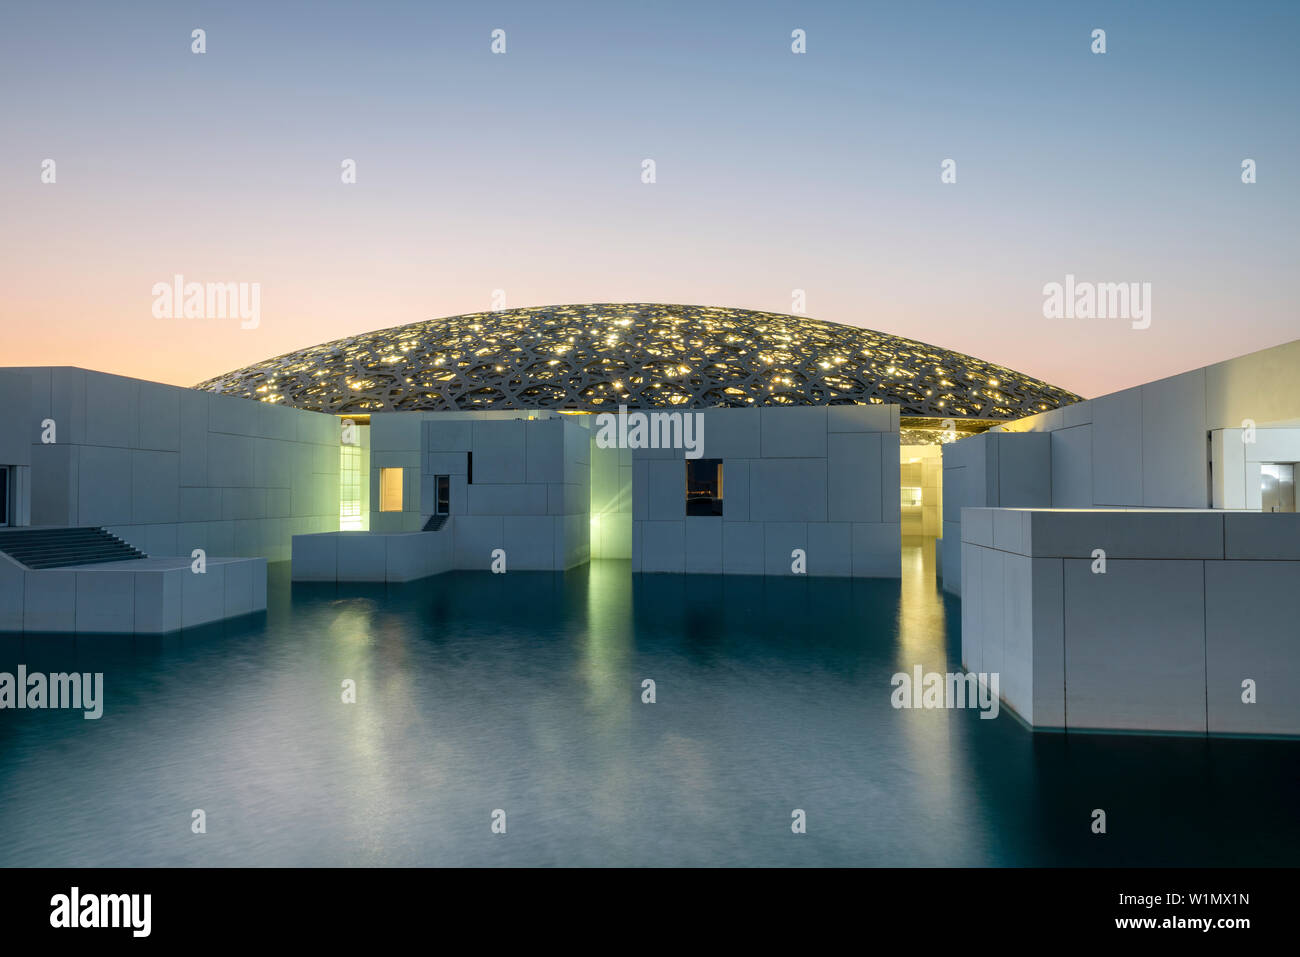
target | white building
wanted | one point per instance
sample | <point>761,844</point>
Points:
<point>1126,563</point>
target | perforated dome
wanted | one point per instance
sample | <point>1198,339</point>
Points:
<point>595,357</point>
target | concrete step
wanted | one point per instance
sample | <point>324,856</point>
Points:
<point>61,547</point>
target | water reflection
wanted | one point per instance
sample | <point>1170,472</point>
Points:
<point>523,692</point>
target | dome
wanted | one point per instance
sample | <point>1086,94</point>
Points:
<point>595,357</point>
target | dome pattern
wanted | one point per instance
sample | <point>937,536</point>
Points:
<point>595,357</point>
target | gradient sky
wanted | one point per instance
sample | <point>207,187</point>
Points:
<point>776,171</point>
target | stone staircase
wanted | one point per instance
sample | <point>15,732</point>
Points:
<point>61,547</point>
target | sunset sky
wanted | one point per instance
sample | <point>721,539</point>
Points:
<point>775,171</point>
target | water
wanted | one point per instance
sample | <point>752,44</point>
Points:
<point>523,692</point>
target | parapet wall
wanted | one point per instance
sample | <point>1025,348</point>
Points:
<point>1136,620</point>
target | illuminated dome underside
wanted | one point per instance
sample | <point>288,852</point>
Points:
<point>595,357</point>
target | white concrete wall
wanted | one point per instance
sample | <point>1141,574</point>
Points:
<point>396,441</point>
<point>1237,454</point>
<point>368,556</point>
<point>145,596</point>
<point>824,479</point>
<point>990,469</point>
<point>169,469</point>
<point>530,493</point>
<point>1192,603</point>
<point>1148,446</point>
<point>15,449</point>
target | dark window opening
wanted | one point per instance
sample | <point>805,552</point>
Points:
<point>703,487</point>
<point>4,495</point>
<point>469,468</point>
<point>443,484</point>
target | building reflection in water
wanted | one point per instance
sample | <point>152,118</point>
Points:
<point>523,692</point>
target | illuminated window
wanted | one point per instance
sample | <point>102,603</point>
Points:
<point>390,490</point>
<point>350,517</point>
<point>703,487</point>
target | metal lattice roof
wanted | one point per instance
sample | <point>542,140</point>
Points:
<point>596,357</point>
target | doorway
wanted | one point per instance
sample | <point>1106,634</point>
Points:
<point>1277,486</point>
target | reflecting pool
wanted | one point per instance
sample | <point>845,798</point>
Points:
<point>523,692</point>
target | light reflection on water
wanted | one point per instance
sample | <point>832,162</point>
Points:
<point>523,692</point>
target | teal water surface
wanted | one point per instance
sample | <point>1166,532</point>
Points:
<point>523,693</point>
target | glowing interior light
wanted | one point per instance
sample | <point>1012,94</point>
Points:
<point>567,358</point>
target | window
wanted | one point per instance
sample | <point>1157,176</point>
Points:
<point>4,495</point>
<point>703,487</point>
<point>442,484</point>
<point>390,490</point>
<point>469,468</point>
